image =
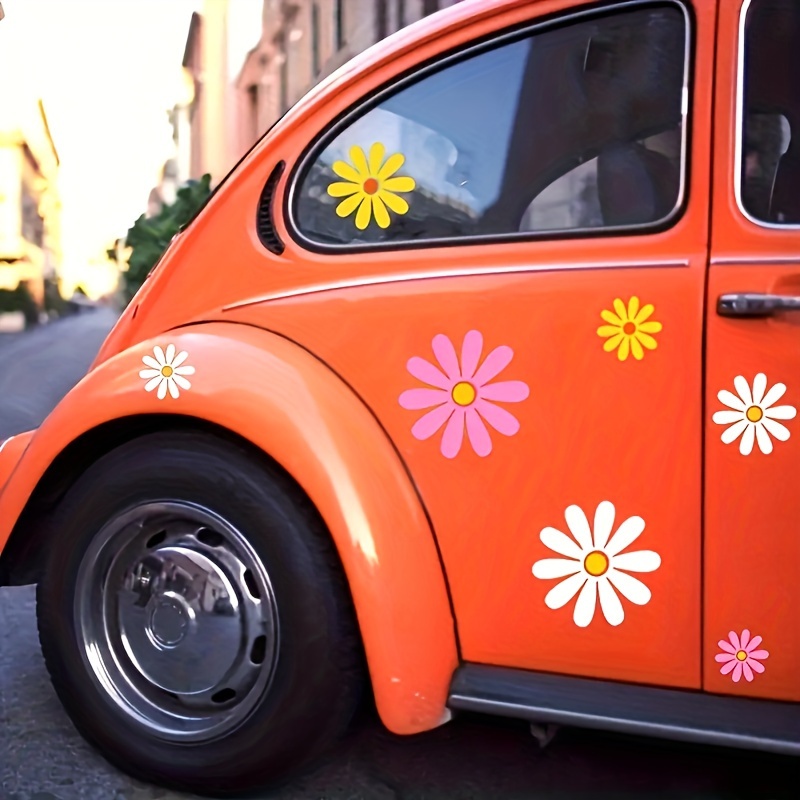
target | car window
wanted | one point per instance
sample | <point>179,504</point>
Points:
<point>577,125</point>
<point>770,169</point>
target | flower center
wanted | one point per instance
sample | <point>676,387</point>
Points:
<point>629,328</point>
<point>167,371</point>
<point>754,413</point>
<point>370,185</point>
<point>596,563</point>
<point>741,655</point>
<point>464,393</point>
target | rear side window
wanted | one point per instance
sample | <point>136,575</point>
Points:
<point>770,168</point>
<point>577,126</point>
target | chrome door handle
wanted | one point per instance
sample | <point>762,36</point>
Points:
<point>755,305</point>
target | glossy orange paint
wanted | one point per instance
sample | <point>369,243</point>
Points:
<point>752,508</point>
<point>292,406</point>
<point>10,453</point>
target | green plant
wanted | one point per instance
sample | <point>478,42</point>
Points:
<point>149,236</point>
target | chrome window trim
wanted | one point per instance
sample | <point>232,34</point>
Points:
<point>739,148</point>
<point>406,277</point>
<point>328,135</point>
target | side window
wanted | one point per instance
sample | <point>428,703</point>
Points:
<point>770,170</point>
<point>575,126</point>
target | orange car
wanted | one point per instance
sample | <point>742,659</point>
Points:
<point>481,370</point>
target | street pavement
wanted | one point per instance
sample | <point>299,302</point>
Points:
<point>472,758</point>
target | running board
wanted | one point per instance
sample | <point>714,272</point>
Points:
<point>626,708</point>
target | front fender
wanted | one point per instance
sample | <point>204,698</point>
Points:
<point>288,403</point>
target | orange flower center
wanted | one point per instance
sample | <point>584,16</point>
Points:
<point>629,328</point>
<point>754,414</point>
<point>464,393</point>
<point>741,655</point>
<point>596,564</point>
<point>167,371</point>
<point>370,185</point>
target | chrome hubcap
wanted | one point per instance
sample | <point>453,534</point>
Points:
<point>177,620</point>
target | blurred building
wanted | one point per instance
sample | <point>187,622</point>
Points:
<point>30,208</point>
<point>236,96</point>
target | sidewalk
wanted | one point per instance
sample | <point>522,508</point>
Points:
<point>39,367</point>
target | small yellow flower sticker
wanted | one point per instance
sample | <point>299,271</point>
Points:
<point>370,187</point>
<point>629,329</point>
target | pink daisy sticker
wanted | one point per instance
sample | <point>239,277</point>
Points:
<point>741,656</point>
<point>462,397</point>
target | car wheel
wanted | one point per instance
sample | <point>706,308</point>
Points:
<point>194,616</point>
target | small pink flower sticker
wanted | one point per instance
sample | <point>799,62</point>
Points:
<point>741,656</point>
<point>463,397</point>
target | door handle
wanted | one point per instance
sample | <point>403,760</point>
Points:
<point>755,305</point>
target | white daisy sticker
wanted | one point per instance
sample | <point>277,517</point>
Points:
<point>166,372</point>
<point>754,415</point>
<point>594,565</point>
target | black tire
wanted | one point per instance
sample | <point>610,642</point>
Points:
<point>318,673</point>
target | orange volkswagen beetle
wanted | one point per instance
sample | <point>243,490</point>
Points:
<point>481,370</point>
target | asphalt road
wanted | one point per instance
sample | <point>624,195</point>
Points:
<point>43,758</point>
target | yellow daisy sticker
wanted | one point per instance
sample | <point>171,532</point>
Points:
<point>370,186</point>
<point>628,331</point>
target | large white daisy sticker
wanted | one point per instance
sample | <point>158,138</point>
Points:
<point>166,371</point>
<point>754,415</point>
<point>593,565</point>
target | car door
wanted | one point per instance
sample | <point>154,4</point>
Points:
<point>751,636</point>
<point>509,248</point>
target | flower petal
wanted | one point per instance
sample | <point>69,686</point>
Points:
<point>393,163</point>
<point>159,354</point>
<point>756,665</point>
<point>622,312</point>
<point>505,391</point>
<point>646,340</point>
<point>608,330</point>
<point>633,307</point>
<point>427,373</point>
<point>162,389</point>
<point>381,214</point>
<point>610,604</point>
<point>613,342</point>
<point>650,327</point>
<point>339,189</point>
<point>151,362</point>
<point>359,159</point>
<point>603,523</point>
<point>743,389</point>
<point>737,672</point>
<point>773,395</point>
<point>344,170</point>
<point>179,359</point>
<point>745,639</point>
<point>627,533</point>
<point>560,543</point>
<point>579,527</point>
<point>729,667</point>
<point>348,206</point>
<point>731,400</point>
<point>500,419</point>
<point>393,201</point>
<point>453,436</point>
<point>727,647</point>
<point>636,348</point>
<point>376,153</point>
<point>624,348</point>
<point>758,654</point>
<point>446,355</point>
<point>612,319</point>
<point>429,423</point>
<point>724,658</point>
<point>646,311</point>
<point>556,568</point>
<point>759,387</point>
<point>478,434</point>
<point>764,442</point>
<point>494,363</point>
<point>471,353</point>
<point>149,373</point>
<point>748,438</point>
<point>752,644</point>
<point>781,412</point>
<point>187,370</point>
<point>181,381</point>
<point>150,385</point>
<point>400,184</point>
<point>780,432</point>
<point>563,592</point>
<point>364,214</point>
<point>733,638</point>
<point>170,354</point>
<point>173,389</point>
<point>733,433</point>
<point>629,587</point>
<point>415,399</point>
<point>583,612</point>
<point>727,417</point>
<point>748,673</point>
<point>638,561</point>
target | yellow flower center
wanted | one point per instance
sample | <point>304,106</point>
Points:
<point>741,655</point>
<point>629,328</point>
<point>754,413</point>
<point>167,371</point>
<point>464,393</point>
<point>371,185</point>
<point>596,564</point>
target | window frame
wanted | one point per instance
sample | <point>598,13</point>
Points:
<point>738,155</point>
<point>441,62</point>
